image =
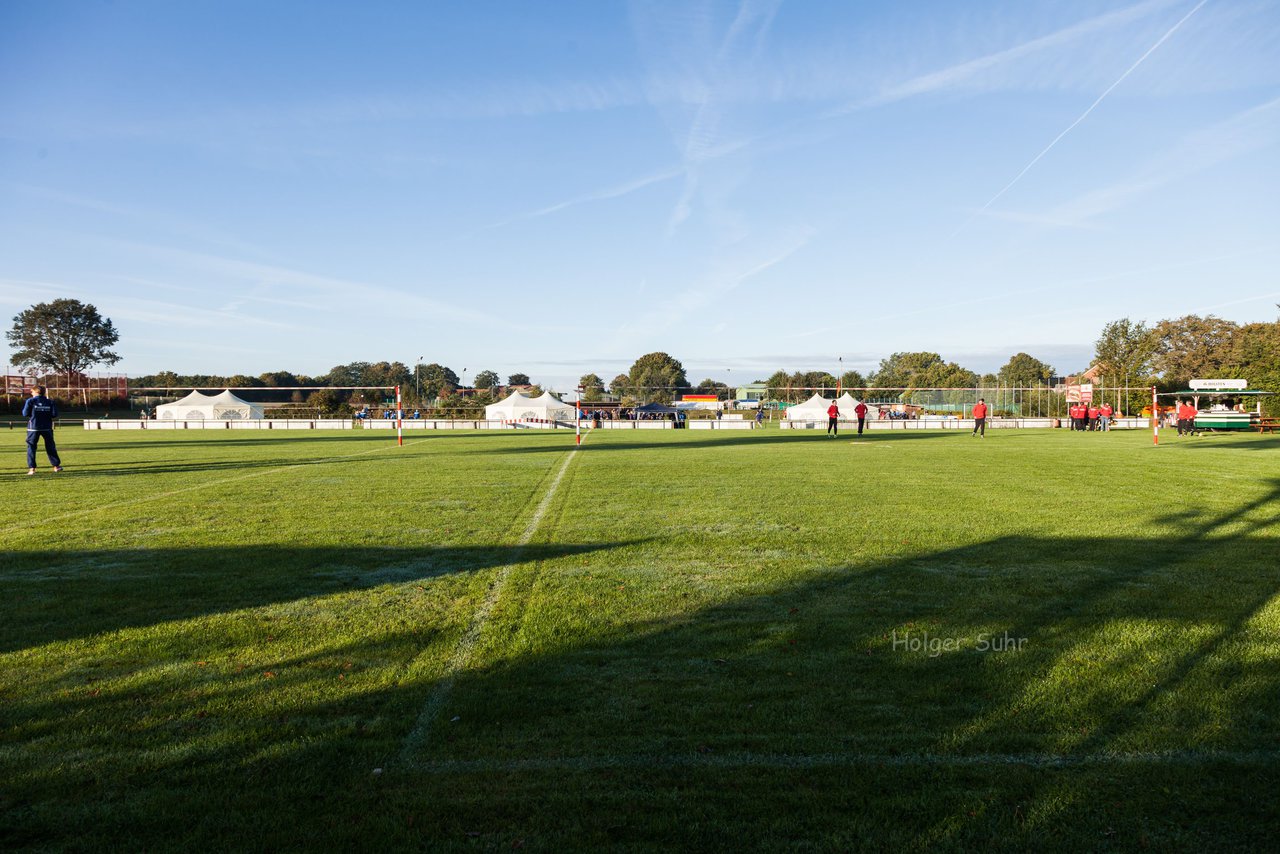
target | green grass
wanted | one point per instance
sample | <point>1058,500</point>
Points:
<point>212,641</point>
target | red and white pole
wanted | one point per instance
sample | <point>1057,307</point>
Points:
<point>1155,418</point>
<point>399,419</point>
<point>577,424</point>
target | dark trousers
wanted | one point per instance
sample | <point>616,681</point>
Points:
<point>862,422</point>
<point>33,437</point>
<point>980,426</point>
<point>831,426</point>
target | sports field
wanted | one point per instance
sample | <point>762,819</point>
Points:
<point>725,640</point>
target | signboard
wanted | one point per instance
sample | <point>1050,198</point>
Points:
<point>1219,385</point>
<point>1082,393</point>
<point>700,398</point>
<point>17,384</point>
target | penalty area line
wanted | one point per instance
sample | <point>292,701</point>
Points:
<point>461,658</point>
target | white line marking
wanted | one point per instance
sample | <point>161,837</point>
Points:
<point>461,657</point>
<point>824,760</point>
<point>155,496</point>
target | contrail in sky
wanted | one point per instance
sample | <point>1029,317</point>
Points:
<point>1086,113</point>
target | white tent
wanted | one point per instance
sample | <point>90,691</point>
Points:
<point>847,402</point>
<point>555,408</point>
<point>518,407</point>
<point>223,406</point>
<point>813,409</point>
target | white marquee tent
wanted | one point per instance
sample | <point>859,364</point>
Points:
<point>518,407</point>
<point>813,409</point>
<point>223,406</point>
<point>847,402</point>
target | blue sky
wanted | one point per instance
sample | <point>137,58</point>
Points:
<point>558,188</point>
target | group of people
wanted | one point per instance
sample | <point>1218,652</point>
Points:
<point>1185,418</point>
<point>1088,416</point>
<point>833,418</point>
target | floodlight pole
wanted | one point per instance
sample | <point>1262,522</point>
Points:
<point>399,419</point>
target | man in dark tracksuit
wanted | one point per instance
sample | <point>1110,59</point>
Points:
<point>40,412</point>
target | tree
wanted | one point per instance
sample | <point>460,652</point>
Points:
<point>486,380</point>
<point>390,374</point>
<point>1125,351</point>
<point>518,379</point>
<point>278,378</point>
<point>813,380</point>
<point>620,385</point>
<point>852,379</point>
<point>592,387</point>
<point>710,386</point>
<point>325,401</point>
<point>1255,356</point>
<point>65,336</point>
<point>779,384</point>
<point>1191,347</point>
<point>436,381</point>
<point>657,375</point>
<point>352,374</point>
<point>922,370</point>
<point>1024,370</point>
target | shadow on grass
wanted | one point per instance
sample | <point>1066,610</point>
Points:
<point>786,715</point>
<point>1217,441</point>
<point>54,596</point>
<point>233,437</point>
<point>622,440</point>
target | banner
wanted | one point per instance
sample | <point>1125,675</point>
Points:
<point>1081,393</point>
<point>17,384</point>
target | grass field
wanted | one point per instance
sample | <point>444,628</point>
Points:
<point>722,640</point>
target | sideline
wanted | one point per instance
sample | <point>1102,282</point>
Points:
<point>461,657</point>
<point>155,496</point>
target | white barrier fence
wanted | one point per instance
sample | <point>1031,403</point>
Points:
<point>481,424</point>
<point>220,424</point>
<point>959,424</point>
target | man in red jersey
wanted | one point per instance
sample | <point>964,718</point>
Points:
<point>980,418</point>
<point>861,411</point>
<point>833,418</point>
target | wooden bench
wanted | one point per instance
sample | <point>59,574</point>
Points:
<point>1267,425</point>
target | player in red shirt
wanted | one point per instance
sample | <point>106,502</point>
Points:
<point>980,418</point>
<point>1104,417</point>
<point>861,411</point>
<point>1186,418</point>
<point>833,419</point>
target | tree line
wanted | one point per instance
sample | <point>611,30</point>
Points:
<point>65,337</point>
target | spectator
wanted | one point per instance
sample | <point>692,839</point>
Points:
<point>980,418</point>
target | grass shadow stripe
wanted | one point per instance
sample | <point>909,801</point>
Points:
<point>461,658</point>
<point>838,760</point>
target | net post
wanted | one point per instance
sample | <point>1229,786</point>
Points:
<point>1155,418</point>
